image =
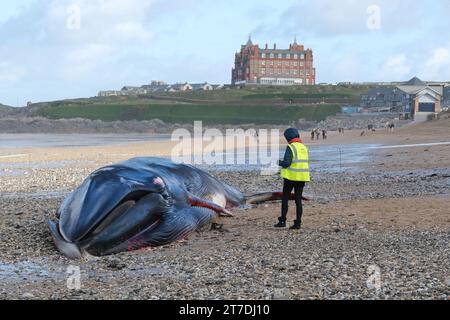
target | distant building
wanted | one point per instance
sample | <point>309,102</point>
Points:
<point>350,109</point>
<point>202,86</point>
<point>414,98</point>
<point>391,98</point>
<point>424,99</point>
<point>446,98</point>
<point>158,83</point>
<point>156,86</point>
<point>292,66</point>
<point>133,90</point>
<point>218,86</point>
<point>180,87</point>
<point>111,93</point>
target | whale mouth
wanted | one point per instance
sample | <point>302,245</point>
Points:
<point>74,249</point>
<point>123,206</point>
<point>69,249</point>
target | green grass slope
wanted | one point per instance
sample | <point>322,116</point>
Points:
<point>270,105</point>
<point>185,113</point>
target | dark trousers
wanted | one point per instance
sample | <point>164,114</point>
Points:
<point>287,189</point>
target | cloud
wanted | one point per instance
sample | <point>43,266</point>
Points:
<point>331,18</point>
<point>93,43</point>
<point>437,65</point>
<point>397,67</point>
<point>133,30</point>
<point>131,42</point>
<point>10,74</point>
<point>84,60</point>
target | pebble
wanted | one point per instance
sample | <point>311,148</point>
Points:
<point>28,295</point>
<point>281,294</point>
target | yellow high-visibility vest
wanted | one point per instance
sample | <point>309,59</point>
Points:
<point>299,168</point>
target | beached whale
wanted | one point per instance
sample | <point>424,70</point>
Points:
<point>142,202</point>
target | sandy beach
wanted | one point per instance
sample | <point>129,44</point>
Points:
<point>384,206</point>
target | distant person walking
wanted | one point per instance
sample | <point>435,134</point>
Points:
<point>324,134</point>
<point>295,173</point>
<point>317,134</point>
<point>312,134</point>
<point>391,127</point>
<point>387,126</point>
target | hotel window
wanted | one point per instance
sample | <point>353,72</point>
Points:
<point>302,56</point>
<point>302,63</point>
<point>271,56</point>
<point>280,56</point>
<point>263,71</point>
<point>271,63</point>
<point>295,72</point>
<point>286,63</point>
<point>288,56</point>
<point>263,63</point>
<point>307,72</point>
<point>263,55</point>
<point>279,63</point>
<point>301,72</point>
<point>295,64</point>
<point>295,56</point>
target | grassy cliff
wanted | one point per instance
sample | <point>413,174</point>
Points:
<point>271,105</point>
<point>179,113</point>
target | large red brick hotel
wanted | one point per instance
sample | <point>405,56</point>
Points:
<point>293,66</point>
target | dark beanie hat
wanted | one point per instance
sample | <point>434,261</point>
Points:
<point>291,133</point>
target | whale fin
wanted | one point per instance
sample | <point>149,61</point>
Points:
<point>70,250</point>
<point>269,196</point>
<point>198,202</point>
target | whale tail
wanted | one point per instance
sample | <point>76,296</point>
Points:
<point>269,196</point>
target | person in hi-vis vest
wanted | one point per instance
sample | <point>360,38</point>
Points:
<point>295,172</point>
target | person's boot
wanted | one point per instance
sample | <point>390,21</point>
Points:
<point>297,225</point>
<point>280,224</point>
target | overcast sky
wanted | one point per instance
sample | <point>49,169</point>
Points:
<point>54,49</point>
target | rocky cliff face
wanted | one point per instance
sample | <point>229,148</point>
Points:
<point>44,125</point>
<point>359,122</point>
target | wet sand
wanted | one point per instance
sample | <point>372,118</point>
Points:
<point>389,211</point>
